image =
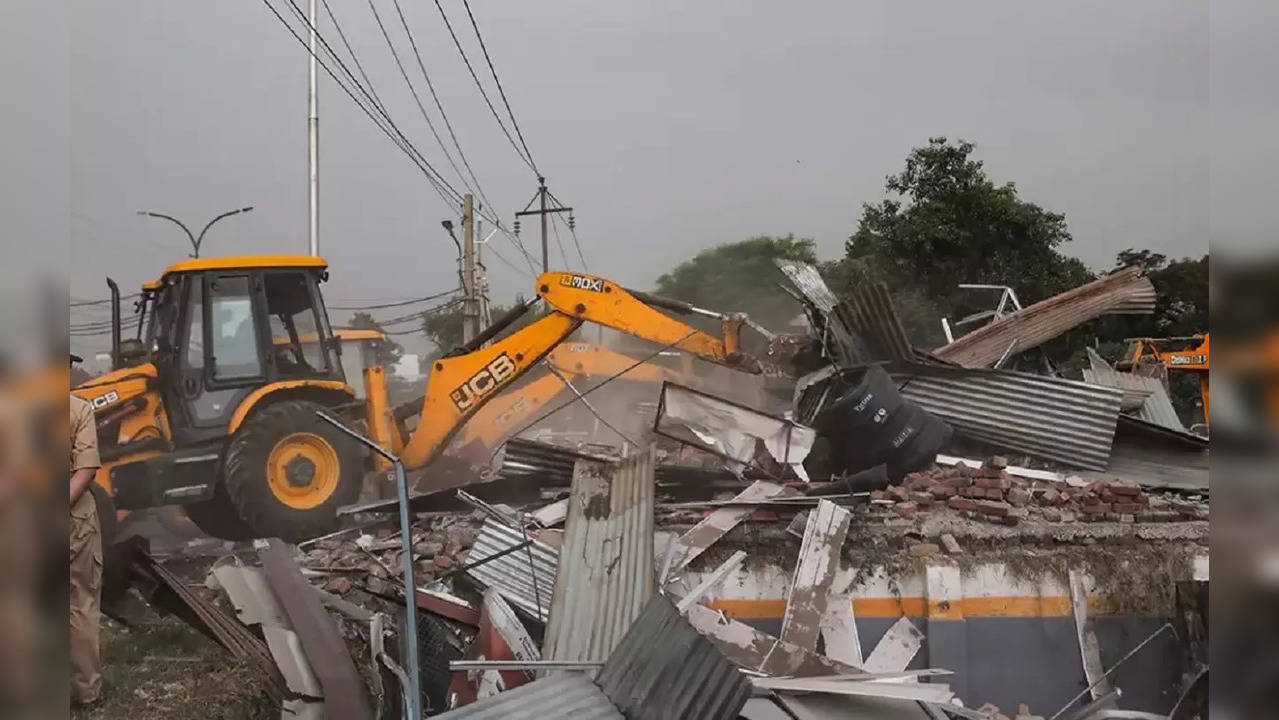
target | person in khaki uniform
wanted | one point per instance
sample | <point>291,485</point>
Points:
<point>86,558</point>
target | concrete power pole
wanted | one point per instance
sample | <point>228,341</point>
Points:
<point>313,144</point>
<point>471,303</point>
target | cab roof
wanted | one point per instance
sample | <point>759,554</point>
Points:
<point>242,262</point>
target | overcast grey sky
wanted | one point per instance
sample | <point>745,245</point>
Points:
<point>670,126</point>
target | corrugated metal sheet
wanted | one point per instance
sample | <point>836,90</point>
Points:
<point>663,669</point>
<point>552,464</point>
<point>1153,404</point>
<point>562,695</point>
<point>527,587</point>
<point>605,573</point>
<point>1155,456</point>
<point>869,312</point>
<point>845,347</point>
<point>1126,291</point>
<point>1063,420</point>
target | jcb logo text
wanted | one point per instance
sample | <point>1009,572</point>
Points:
<point>102,401</point>
<point>482,383</point>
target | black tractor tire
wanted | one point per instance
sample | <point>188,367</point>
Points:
<point>325,470</point>
<point>217,517</point>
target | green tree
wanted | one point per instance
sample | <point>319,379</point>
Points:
<point>740,277</point>
<point>946,223</point>
<point>388,351</point>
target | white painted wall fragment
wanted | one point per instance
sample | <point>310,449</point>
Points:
<point>896,649</point>
<point>819,559</point>
<point>1089,650</point>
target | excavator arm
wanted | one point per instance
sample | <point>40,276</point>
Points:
<point>510,411</point>
<point>462,382</point>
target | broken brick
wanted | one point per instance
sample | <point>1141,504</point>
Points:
<point>961,503</point>
<point>906,509</point>
<point>1126,508</point>
<point>1050,496</point>
<point>1052,515</point>
<point>941,492</point>
<point>338,586</point>
<point>898,493</point>
<point>951,545</point>
<point>1001,483</point>
<point>443,562</point>
<point>1018,497</point>
<point>921,499</point>
<point>1096,508</point>
<point>994,494</point>
<point>1123,488</point>
<point>993,507</point>
<point>876,495</point>
<point>924,550</point>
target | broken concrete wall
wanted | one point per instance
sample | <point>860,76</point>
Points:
<point>1007,629</point>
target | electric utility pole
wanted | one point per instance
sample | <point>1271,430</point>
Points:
<point>313,143</point>
<point>543,210</point>
<point>471,303</point>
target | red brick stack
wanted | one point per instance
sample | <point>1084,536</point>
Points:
<point>989,493</point>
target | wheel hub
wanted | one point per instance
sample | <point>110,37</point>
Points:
<point>299,471</point>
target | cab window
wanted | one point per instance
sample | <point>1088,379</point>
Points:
<point>297,343</point>
<point>235,354</point>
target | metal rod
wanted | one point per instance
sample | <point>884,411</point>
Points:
<point>1122,660</point>
<point>588,405</point>
<point>406,555</point>
<point>525,664</point>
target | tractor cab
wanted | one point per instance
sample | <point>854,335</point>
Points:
<point>221,328</point>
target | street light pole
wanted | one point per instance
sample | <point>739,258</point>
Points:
<point>195,240</point>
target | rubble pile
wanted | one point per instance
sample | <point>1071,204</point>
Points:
<point>991,494</point>
<point>371,561</point>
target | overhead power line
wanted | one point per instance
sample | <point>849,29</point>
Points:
<point>401,303</point>
<point>500,90</point>
<point>528,160</point>
<point>373,108</point>
<point>87,303</point>
<point>385,124</point>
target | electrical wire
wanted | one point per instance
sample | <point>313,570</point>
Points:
<point>86,303</point>
<point>602,383</point>
<point>413,89</point>
<point>572,231</point>
<point>350,51</point>
<point>440,107</point>
<point>457,43</point>
<point>392,131</point>
<point>497,82</point>
<point>564,258</point>
<point>402,303</point>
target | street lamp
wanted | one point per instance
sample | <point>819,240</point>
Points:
<point>195,241</point>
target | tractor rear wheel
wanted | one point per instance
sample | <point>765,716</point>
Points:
<point>288,471</point>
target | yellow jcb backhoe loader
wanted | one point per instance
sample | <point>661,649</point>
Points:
<point>214,405</point>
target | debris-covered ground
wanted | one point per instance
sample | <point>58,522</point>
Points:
<point>164,668</point>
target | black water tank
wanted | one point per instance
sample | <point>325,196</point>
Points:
<point>870,423</point>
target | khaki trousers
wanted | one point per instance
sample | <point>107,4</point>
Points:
<point>86,599</point>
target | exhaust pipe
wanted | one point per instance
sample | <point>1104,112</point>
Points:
<point>115,323</point>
